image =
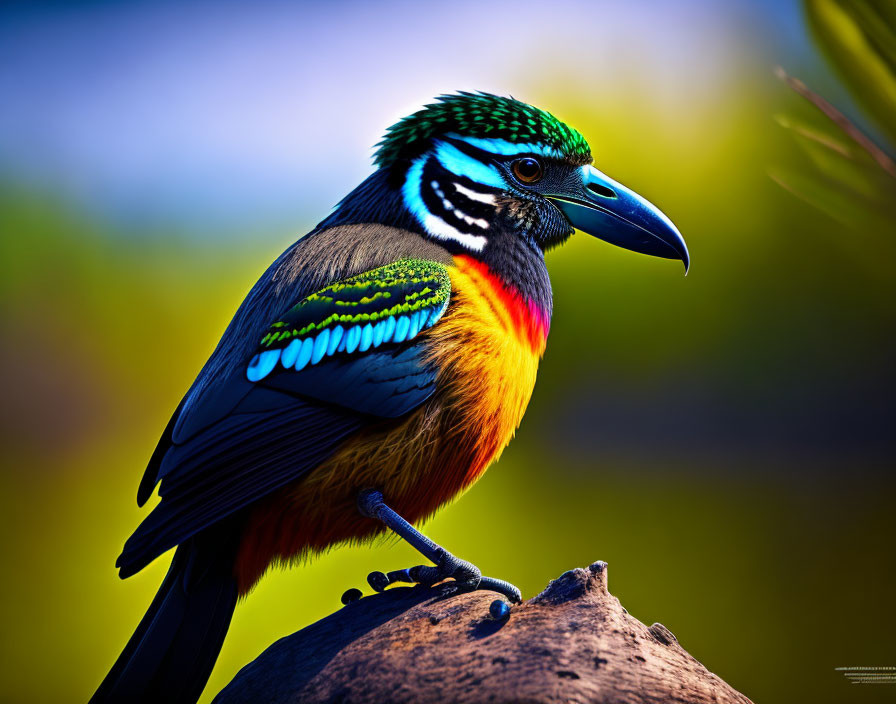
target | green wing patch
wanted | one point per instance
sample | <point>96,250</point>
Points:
<point>392,303</point>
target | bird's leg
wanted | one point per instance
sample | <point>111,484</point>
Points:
<point>466,575</point>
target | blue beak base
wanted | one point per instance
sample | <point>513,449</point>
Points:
<point>609,211</point>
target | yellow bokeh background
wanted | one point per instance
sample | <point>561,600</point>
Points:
<point>748,505</point>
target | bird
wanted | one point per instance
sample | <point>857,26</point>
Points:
<point>376,369</point>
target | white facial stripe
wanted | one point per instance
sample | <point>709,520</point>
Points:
<point>450,207</point>
<point>504,148</point>
<point>487,198</point>
<point>470,220</point>
<point>459,163</point>
<point>441,229</point>
<point>434,225</point>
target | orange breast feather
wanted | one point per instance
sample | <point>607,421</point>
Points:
<point>487,348</point>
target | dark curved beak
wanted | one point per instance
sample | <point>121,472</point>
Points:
<point>609,211</point>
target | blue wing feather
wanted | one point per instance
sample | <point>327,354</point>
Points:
<point>232,464</point>
<point>387,384</point>
<point>256,431</point>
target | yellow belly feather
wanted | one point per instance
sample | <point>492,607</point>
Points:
<point>487,349</point>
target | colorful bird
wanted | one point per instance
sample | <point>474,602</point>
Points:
<point>376,369</point>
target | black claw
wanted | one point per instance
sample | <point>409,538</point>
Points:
<point>351,595</point>
<point>426,575</point>
<point>400,576</point>
<point>499,610</point>
<point>467,578</point>
<point>377,581</point>
<point>499,585</point>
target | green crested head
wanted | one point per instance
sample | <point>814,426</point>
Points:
<point>481,115</point>
<point>480,174</point>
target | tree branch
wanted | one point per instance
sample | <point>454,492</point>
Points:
<point>572,643</point>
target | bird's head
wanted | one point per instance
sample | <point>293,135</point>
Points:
<point>471,166</point>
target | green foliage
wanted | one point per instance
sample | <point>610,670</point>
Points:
<point>859,38</point>
<point>845,174</point>
<point>837,176</point>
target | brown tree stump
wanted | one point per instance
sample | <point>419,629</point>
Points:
<point>574,642</point>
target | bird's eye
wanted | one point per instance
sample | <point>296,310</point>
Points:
<point>527,170</point>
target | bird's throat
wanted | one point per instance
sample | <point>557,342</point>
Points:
<point>526,316</point>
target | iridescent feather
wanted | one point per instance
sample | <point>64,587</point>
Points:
<point>390,304</point>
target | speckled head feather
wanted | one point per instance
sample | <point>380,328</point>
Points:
<point>480,115</point>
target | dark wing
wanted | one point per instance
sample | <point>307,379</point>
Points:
<point>386,306</point>
<point>339,359</point>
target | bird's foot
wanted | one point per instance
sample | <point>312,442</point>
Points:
<point>467,577</point>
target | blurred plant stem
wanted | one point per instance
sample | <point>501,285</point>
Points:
<point>854,186</point>
<point>843,122</point>
<point>858,37</point>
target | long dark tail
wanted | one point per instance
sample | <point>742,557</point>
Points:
<point>171,654</point>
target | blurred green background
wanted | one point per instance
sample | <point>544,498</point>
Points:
<point>725,441</point>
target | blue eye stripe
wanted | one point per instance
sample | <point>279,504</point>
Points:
<point>411,190</point>
<point>462,164</point>
<point>502,147</point>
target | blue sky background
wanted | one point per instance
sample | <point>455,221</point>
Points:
<point>221,115</point>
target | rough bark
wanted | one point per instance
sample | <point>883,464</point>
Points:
<point>574,642</point>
